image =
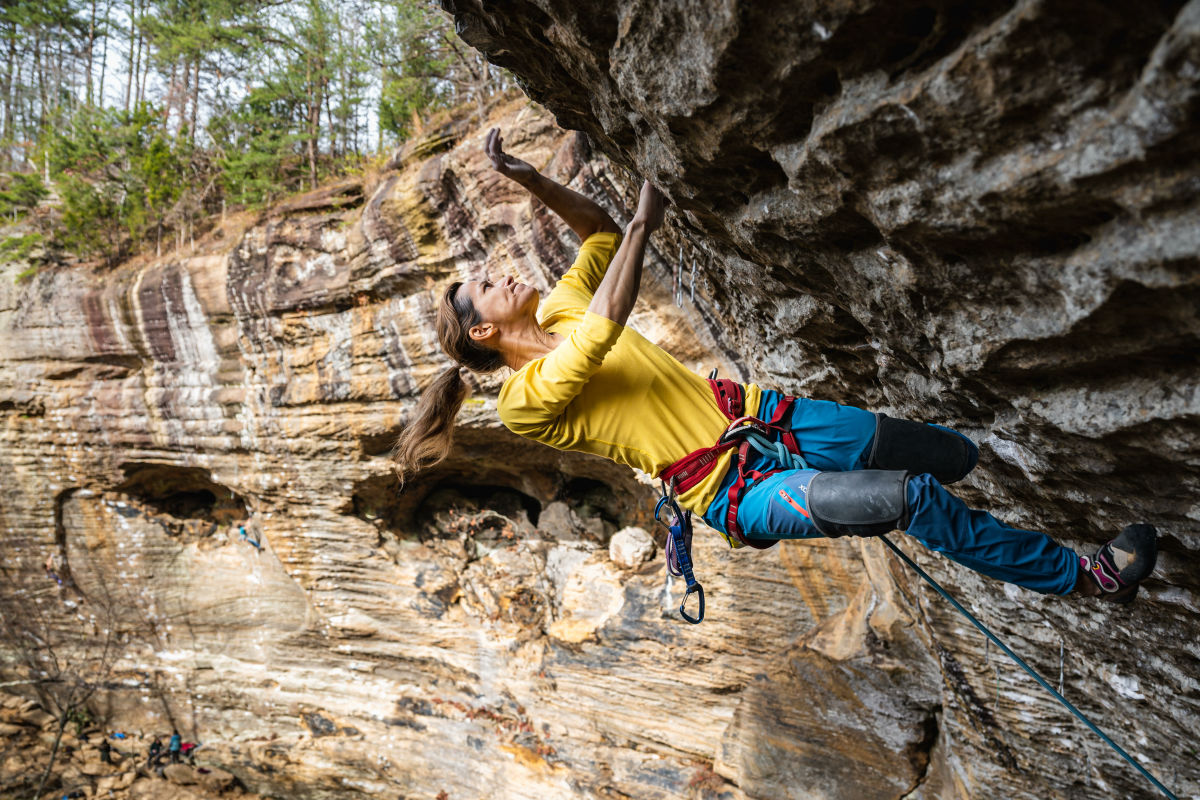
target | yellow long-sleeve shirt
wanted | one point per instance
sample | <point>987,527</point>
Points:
<point>607,390</point>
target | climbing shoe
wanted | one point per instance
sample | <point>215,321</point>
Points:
<point>1119,566</point>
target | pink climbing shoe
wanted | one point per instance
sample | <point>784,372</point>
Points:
<point>1121,565</point>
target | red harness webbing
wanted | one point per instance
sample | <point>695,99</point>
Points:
<point>695,466</point>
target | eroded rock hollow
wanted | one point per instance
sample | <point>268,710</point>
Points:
<point>976,214</point>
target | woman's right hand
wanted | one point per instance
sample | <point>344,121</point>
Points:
<point>651,207</point>
<point>508,166</point>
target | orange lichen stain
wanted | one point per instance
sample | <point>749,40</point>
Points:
<point>799,569</point>
<point>530,759</point>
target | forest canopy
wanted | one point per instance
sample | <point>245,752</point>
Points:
<point>143,118</point>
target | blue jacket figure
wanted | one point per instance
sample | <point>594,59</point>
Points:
<point>242,531</point>
<point>174,746</point>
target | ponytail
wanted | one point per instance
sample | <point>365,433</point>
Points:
<point>428,436</point>
<point>426,439</point>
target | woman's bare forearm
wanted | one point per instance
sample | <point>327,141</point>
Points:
<point>618,291</point>
<point>582,215</point>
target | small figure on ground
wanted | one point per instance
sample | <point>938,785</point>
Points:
<point>155,752</point>
<point>174,746</point>
<point>105,751</point>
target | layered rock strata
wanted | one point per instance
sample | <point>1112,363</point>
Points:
<point>981,215</point>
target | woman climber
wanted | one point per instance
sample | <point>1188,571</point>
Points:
<point>583,381</point>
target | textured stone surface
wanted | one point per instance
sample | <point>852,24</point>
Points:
<point>981,214</point>
<point>631,547</point>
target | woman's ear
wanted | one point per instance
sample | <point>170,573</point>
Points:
<point>482,332</point>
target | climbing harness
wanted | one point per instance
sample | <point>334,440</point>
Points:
<point>744,433</point>
<point>1057,695</point>
<point>679,549</point>
<point>768,448</point>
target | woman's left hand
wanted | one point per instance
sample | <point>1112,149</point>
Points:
<point>508,166</point>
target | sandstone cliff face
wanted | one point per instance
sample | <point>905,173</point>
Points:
<point>471,635</point>
<point>977,214</point>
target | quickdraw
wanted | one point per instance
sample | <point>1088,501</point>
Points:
<point>679,549</point>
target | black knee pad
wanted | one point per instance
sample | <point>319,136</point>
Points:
<point>866,502</point>
<point>918,448</point>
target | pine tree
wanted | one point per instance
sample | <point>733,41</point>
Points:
<point>144,117</point>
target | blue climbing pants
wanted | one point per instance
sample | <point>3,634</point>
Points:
<point>838,438</point>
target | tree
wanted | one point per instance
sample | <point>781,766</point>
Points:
<point>414,48</point>
<point>262,143</point>
<point>159,174</point>
<point>64,656</point>
<point>20,192</point>
<point>214,101</point>
<point>117,175</point>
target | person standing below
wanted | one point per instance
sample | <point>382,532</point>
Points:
<point>105,752</point>
<point>174,746</point>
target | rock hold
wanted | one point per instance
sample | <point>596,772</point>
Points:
<point>631,547</point>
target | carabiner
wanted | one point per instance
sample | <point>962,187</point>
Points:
<point>697,590</point>
<point>663,502</point>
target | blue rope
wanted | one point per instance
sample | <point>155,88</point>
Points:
<point>775,450</point>
<point>1166,792</point>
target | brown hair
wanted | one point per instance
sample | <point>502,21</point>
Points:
<point>427,437</point>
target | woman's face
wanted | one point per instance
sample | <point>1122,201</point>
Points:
<point>502,301</point>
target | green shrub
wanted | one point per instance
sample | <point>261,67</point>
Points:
<point>20,192</point>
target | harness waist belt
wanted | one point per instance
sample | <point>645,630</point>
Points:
<point>688,471</point>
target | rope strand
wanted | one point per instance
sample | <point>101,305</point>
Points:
<point>1067,703</point>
